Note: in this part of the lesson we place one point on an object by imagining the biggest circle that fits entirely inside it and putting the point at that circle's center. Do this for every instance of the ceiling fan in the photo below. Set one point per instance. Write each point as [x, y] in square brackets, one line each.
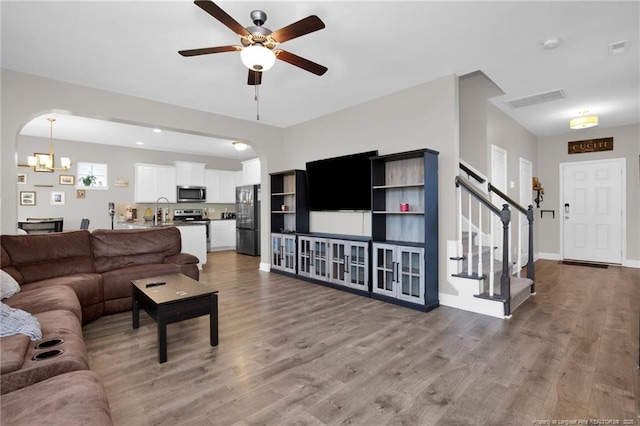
[259, 44]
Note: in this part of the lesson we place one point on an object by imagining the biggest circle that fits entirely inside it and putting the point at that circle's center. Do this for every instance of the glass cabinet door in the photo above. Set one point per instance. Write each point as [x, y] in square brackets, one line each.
[337, 262]
[384, 269]
[290, 254]
[358, 266]
[283, 252]
[320, 258]
[276, 251]
[304, 256]
[411, 274]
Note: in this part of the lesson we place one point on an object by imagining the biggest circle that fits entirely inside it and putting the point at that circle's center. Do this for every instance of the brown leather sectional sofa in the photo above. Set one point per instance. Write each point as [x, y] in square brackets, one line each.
[68, 279]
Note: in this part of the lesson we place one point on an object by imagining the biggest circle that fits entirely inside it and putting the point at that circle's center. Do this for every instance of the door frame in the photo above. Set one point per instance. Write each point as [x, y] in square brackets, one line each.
[623, 199]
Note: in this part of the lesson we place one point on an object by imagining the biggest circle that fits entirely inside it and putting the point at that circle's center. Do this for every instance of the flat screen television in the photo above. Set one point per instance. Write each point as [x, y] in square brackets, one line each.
[340, 183]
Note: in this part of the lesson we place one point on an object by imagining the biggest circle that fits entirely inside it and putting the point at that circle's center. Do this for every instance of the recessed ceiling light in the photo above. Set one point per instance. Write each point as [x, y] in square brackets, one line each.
[157, 130]
[139, 143]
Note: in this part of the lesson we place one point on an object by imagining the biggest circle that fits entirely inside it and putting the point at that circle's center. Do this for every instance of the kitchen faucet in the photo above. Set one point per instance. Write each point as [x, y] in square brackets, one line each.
[156, 215]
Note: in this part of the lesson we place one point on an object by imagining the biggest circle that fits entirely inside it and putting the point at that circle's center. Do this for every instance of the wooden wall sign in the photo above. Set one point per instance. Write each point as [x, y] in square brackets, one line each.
[591, 145]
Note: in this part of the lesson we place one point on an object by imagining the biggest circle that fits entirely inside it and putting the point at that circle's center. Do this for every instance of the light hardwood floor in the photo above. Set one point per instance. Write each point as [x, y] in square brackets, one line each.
[295, 353]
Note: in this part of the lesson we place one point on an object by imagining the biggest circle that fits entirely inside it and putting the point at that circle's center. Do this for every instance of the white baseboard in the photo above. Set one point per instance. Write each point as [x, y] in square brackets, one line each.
[549, 256]
[631, 263]
[265, 267]
[479, 306]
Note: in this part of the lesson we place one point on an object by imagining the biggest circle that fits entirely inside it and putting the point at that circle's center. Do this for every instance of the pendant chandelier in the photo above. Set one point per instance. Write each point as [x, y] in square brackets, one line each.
[45, 162]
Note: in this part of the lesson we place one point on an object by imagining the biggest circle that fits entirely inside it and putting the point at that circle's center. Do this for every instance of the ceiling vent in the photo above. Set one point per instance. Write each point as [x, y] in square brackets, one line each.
[538, 98]
[618, 48]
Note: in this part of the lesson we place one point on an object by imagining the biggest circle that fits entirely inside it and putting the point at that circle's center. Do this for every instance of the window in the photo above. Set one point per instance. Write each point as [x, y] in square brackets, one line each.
[92, 175]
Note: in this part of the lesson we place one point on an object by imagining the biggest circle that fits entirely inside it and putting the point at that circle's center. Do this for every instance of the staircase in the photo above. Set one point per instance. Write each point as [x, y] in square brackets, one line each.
[484, 283]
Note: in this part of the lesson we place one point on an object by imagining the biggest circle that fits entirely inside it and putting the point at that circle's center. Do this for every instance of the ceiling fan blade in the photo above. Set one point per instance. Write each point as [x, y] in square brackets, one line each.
[255, 78]
[304, 26]
[208, 50]
[214, 10]
[303, 63]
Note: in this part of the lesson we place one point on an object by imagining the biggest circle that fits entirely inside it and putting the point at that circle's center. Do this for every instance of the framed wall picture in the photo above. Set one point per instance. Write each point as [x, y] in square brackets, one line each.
[27, 198]
[80, 193]
[57, 198]
[44, 162]
[67, 180]
[22, 178]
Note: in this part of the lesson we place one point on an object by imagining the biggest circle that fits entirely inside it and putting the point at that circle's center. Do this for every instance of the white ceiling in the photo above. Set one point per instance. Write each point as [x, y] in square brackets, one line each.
[371, 49]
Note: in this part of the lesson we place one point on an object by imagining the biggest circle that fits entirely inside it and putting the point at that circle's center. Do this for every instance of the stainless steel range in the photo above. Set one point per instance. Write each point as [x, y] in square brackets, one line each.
[195, 216]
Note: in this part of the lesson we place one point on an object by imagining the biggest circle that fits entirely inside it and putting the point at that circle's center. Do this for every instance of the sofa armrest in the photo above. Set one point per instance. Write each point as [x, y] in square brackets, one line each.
[181, 259]
[13, 349]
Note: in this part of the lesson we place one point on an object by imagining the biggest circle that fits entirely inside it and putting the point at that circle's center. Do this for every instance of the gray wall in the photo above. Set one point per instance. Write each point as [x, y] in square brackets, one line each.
[553, 151]
[424, 116]
[475, 90]
[25, 97]
[119, 160]
[482, 124]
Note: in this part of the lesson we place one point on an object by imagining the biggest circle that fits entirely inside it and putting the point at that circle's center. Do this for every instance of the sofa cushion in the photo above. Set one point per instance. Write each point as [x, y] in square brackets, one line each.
[88, 289]
[8, 285]
[117, 283]
[123, 248]
[76, 398]
[12, 350]
[38, 257]
[55, 324]
[57, 297]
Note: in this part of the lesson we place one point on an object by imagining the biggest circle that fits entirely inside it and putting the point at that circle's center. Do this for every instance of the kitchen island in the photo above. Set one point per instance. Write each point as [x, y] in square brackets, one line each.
[193, 236]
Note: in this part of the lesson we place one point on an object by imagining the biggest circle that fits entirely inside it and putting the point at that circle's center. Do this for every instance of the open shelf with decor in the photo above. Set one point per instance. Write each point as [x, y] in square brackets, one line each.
[289, 207]
[404, 224]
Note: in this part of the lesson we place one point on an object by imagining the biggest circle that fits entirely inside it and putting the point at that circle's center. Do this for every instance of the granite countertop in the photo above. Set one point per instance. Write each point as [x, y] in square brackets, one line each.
[150, 224]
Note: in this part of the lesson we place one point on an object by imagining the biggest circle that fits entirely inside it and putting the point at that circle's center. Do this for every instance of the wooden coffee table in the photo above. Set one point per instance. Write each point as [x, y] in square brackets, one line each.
[179, 298]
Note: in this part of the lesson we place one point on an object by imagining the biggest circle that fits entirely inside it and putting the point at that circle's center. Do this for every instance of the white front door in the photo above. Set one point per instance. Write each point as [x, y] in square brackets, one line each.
[592, 210]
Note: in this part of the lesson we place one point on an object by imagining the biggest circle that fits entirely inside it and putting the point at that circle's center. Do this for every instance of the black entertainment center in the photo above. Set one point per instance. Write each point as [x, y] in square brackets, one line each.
[399, 262]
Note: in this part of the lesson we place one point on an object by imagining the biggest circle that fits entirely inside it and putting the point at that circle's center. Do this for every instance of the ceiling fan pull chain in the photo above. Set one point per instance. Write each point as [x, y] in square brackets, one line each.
[257, 99]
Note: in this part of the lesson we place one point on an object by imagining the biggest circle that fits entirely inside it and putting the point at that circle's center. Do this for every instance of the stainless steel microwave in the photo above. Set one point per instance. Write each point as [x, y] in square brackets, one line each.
[191, 194]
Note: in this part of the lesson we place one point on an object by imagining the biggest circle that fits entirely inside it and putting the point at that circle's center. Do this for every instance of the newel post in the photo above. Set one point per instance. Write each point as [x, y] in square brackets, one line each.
[531, 273]
[505, 280]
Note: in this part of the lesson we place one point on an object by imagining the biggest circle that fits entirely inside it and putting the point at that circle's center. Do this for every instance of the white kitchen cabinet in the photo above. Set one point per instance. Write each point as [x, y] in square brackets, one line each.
[221, 186]
[152, 181]
[222, 235]
[250, 172]
[228, 187]
[190, 174]
[398, 272]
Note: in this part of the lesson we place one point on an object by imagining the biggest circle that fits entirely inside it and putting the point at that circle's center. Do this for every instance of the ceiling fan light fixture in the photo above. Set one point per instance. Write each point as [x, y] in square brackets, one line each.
[240, 146]
[584, 121]
[257, 57]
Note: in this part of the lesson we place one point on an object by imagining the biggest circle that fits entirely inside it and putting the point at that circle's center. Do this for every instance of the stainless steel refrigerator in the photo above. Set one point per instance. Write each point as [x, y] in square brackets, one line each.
[248, 220]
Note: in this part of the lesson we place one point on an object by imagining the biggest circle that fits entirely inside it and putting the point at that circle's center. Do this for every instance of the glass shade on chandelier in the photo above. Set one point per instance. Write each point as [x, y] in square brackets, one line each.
[45, 162]
[257, 57]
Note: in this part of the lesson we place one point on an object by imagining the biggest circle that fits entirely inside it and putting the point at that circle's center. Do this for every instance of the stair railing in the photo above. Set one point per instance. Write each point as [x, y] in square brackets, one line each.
[528, 214]
[505, 218]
